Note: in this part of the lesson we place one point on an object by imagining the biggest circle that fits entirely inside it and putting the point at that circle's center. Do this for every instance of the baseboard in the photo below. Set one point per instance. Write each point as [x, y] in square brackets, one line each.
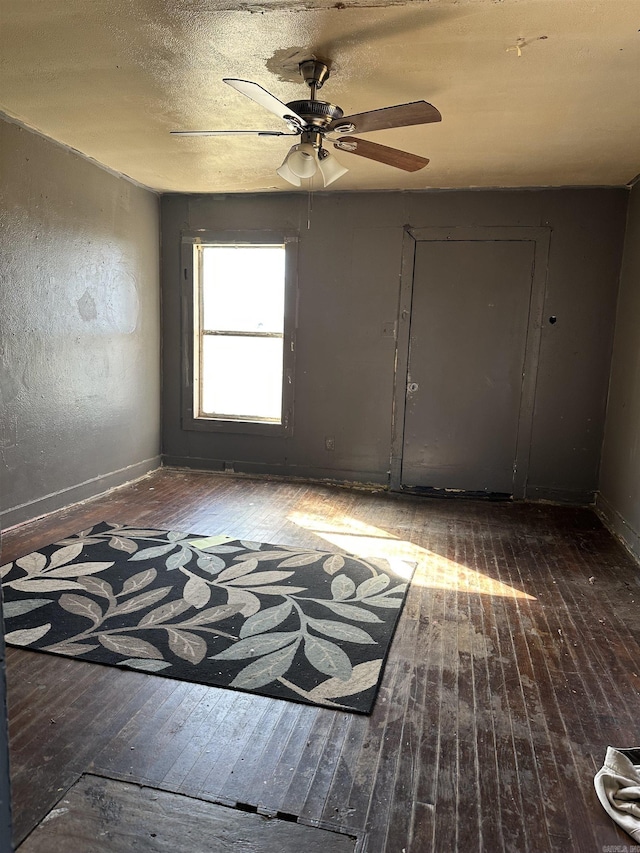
[560, 496]
[286, 472]
[74, 494]
[376, 479]
[618, 525]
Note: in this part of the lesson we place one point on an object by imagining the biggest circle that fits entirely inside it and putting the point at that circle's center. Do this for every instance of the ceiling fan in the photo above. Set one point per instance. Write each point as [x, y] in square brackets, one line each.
[318, 122]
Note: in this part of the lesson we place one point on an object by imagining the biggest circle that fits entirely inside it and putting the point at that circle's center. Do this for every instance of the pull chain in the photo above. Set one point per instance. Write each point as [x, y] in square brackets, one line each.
[309, 203]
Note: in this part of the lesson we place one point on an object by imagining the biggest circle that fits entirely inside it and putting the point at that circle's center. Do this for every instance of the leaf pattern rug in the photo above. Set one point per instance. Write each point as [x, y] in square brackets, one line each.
[295, 624]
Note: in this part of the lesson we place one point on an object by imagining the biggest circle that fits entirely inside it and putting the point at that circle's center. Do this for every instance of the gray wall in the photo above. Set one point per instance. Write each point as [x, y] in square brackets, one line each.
[349, 267]
[79, 327]
[619, 498]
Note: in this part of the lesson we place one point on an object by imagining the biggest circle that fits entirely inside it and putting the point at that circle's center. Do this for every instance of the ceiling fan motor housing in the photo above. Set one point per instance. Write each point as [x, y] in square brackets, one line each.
[316, 113]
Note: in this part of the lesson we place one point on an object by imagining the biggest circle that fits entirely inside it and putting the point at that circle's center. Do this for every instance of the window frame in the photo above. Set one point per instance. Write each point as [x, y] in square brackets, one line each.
[191, 288]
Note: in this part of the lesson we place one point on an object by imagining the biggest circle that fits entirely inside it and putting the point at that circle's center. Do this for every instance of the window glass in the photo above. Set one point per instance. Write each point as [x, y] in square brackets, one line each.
[243, 288]
[242, 377]
[240, 333]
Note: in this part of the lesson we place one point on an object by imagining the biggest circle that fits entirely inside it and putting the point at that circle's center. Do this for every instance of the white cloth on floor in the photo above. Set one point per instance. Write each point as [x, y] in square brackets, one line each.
[617, 785]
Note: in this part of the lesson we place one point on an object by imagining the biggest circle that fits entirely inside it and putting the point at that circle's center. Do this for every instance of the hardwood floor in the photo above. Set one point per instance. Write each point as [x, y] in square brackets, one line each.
[106, 816]
[515, 663]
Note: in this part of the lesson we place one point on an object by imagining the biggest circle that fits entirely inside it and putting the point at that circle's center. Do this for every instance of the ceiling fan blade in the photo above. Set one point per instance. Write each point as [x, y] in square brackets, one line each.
[381, 153]
[265, 99]
[231, 133]
[402, 115]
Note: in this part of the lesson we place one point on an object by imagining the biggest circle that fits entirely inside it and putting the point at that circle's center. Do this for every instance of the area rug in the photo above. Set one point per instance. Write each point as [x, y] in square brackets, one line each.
[295, 624]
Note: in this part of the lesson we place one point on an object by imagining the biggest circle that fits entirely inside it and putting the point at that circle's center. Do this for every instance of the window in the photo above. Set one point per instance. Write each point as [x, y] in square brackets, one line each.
[239, 321]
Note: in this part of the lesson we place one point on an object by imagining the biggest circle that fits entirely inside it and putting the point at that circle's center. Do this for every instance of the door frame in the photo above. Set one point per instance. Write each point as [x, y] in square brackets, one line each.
[541, 238]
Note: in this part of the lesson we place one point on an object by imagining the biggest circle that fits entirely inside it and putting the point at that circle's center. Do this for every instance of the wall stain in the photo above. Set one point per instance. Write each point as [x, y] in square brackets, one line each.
[87, 307]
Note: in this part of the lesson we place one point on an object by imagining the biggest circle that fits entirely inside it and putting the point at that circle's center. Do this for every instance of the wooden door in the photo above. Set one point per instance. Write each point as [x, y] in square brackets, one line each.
[467, 345]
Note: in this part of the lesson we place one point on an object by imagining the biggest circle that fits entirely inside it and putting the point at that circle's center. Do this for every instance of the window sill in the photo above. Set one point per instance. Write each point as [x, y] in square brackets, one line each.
[236, 427]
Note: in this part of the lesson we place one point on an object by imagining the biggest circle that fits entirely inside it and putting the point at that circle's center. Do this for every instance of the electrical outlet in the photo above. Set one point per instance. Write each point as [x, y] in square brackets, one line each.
[329, 443]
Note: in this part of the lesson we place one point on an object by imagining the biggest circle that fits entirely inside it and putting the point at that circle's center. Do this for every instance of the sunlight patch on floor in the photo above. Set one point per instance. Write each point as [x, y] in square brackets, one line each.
[433, 570]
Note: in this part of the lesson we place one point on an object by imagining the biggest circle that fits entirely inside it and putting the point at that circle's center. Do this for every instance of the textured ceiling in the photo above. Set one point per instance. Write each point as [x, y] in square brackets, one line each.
[532, 92]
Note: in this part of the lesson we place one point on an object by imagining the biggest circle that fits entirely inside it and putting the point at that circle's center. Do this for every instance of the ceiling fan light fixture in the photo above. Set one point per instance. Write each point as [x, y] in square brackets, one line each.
[285, 172]
[302, 160]
[330, 169]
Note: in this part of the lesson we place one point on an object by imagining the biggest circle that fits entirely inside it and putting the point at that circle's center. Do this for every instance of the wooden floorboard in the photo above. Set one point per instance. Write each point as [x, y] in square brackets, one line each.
[515, 663]
[110, 816]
